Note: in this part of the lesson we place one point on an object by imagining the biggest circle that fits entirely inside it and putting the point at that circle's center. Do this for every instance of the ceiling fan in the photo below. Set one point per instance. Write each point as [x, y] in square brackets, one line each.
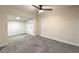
[41, 9]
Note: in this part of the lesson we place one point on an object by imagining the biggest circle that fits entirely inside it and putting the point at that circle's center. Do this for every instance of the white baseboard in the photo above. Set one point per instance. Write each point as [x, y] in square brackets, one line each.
[16, 34]
[67, 42]
[31, 34]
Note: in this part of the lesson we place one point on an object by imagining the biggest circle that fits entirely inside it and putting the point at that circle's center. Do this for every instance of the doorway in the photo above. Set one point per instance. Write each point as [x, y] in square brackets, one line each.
[20, 27]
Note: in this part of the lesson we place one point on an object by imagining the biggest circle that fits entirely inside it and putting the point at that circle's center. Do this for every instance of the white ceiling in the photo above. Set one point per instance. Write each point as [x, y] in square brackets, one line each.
[24, 8]
[14, 18]
[31, 9]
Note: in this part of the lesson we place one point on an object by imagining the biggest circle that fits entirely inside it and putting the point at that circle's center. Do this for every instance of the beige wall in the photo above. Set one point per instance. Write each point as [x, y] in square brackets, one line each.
[61, 24]
[3, 28]
[36, 21]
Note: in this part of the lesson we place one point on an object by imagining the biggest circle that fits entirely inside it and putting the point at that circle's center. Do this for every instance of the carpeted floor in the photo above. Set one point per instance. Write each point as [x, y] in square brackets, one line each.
[37, 44]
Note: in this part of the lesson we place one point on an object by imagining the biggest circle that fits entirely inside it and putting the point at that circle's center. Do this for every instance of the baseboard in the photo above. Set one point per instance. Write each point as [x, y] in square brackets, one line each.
[31, 34]
[4, 44]
[70, 43]
[16, 34]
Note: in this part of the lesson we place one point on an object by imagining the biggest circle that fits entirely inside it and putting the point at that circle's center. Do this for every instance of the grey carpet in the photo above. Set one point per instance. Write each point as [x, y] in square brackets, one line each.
[37, 44]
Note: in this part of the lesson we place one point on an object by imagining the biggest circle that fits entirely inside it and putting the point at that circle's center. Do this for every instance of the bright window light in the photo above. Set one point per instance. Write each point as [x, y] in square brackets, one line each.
[17, 17]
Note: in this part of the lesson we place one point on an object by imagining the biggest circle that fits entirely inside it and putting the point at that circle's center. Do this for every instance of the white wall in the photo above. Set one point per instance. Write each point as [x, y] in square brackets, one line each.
[30, 27]
[61, 24]
[16, 27]
[19, 27]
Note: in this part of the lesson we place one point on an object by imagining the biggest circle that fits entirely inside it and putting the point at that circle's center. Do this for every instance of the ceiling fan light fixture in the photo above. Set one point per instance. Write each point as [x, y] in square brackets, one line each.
[17, 18]
[41, 11]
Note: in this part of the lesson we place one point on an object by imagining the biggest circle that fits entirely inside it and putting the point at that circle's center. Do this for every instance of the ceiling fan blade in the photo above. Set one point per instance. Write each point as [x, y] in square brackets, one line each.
[35, 6]
[48, 9]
